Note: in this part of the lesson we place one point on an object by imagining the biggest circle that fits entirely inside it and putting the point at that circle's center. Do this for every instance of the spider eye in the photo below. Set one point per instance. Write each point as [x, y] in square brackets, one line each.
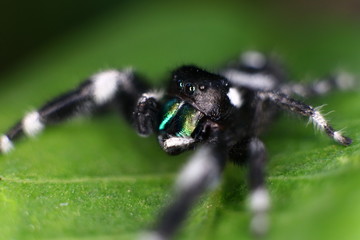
[180, 84]
[202, 87]
[189, 88]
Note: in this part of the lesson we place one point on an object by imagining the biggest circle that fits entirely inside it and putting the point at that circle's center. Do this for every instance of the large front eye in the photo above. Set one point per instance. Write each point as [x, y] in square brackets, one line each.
[189, 89]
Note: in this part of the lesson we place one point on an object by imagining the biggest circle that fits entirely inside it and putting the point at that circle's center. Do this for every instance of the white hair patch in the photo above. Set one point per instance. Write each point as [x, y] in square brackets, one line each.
[254, 81]
[177, 141]
[151, 236]
[5, 144]
[260, 224]
[235, 97]
[345, 80]
[156, 94]
[299, 89]
[254, 59]
[105, 84]
[202, 166]
[318, 120]
[259, 200]
[322, 87]
[339, 137]
[32, 124]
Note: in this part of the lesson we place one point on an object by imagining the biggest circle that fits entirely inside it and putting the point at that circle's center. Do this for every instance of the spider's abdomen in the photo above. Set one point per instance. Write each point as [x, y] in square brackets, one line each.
[179, 118]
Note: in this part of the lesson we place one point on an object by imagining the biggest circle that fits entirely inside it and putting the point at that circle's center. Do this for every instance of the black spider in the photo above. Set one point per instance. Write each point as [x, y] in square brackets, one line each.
[220, 115]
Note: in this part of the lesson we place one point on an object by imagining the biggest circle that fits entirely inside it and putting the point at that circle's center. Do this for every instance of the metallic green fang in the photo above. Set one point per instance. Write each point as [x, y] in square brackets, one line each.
[171, 112]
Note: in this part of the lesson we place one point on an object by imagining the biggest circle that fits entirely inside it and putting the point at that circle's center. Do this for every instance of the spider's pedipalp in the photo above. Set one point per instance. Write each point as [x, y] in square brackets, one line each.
[145, 116]
[157, 94]
[177, 142]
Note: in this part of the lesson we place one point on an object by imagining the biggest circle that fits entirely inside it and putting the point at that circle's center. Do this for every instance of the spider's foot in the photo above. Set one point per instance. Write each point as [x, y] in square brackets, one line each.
[338, 137]
[259, 204]
[151, 235]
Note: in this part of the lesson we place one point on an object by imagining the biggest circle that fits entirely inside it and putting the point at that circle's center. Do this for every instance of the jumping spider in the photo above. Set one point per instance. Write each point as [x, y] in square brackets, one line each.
[221, 116]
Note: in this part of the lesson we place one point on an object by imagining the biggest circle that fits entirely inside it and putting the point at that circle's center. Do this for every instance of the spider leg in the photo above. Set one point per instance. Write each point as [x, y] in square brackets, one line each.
[111, 86]
[201, 173]
[253, 152]
[292, 105]
[341, 81]
[256, 71]
[259, 200]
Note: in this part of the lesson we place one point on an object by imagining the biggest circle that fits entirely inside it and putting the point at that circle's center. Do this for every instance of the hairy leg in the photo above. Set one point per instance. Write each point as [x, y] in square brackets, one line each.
[301, 108]
[200, 174]
[101, 89]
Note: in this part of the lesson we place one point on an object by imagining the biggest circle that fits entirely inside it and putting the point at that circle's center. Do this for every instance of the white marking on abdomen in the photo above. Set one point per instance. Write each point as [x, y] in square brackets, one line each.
[32, 124]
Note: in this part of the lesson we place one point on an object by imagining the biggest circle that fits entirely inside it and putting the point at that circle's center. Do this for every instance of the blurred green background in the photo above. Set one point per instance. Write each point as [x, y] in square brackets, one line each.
[94, 178]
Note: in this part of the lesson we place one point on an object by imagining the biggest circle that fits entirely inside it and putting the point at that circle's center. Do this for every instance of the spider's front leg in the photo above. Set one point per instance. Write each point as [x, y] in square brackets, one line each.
[112, 86]
[201, 173]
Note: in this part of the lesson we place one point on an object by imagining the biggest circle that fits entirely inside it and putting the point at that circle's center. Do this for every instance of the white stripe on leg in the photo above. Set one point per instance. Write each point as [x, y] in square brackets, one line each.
[259, 204]
[202, 166]
[32, 124]
[5, 144]
[106, 83]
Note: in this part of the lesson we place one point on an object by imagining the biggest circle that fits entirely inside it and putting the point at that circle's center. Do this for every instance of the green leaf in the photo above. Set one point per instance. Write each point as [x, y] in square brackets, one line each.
[94, 178]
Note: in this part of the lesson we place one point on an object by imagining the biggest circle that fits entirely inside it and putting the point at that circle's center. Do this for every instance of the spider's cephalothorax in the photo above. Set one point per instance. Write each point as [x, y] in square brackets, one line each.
[196, 104]
[220, 115]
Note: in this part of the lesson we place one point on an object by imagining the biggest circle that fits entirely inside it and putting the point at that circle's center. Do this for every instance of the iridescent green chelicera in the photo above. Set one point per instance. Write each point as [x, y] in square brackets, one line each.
[189, 118]
[171, 108]
[180, 117]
